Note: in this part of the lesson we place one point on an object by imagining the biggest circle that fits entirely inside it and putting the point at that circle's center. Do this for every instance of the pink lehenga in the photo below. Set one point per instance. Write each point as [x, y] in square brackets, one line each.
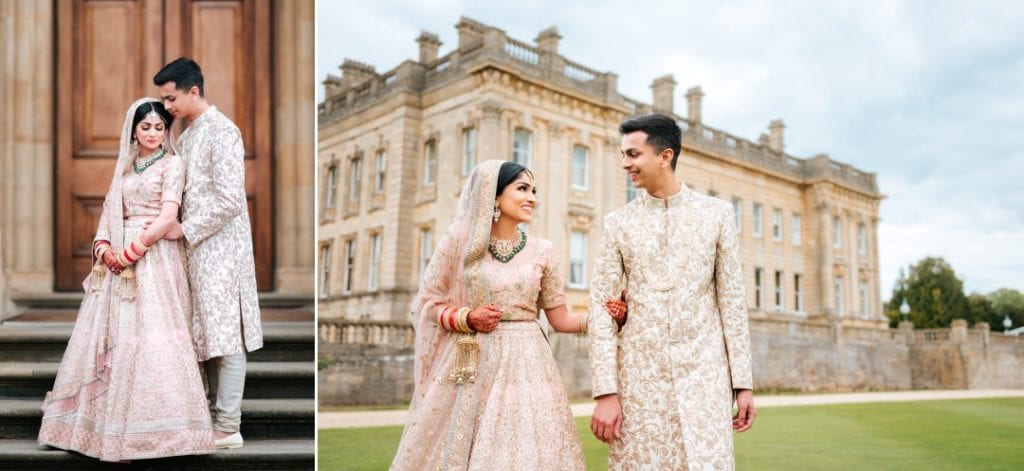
[515, 414]
[129, 385]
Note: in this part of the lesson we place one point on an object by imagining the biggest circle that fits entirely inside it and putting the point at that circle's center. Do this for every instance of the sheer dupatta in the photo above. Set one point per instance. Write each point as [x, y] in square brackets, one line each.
[101, 304]
[452, 407]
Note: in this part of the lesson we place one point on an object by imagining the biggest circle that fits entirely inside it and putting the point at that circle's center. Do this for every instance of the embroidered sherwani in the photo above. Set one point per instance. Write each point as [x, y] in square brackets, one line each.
[686, 344]
[215, 220]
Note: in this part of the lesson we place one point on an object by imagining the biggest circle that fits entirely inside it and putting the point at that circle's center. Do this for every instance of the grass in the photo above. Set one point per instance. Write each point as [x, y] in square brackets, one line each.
[934, 435]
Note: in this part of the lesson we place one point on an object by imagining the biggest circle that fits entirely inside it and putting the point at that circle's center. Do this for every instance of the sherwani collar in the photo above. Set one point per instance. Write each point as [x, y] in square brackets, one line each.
[675, 201]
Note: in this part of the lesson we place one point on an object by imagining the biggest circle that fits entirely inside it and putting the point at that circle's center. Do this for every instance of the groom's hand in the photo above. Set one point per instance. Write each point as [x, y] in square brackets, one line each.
[745, 414]
[607, 420]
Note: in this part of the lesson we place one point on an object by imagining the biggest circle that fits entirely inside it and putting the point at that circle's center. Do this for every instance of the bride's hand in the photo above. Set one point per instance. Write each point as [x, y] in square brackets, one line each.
[484, 318]
[111, 262]
[618, 309]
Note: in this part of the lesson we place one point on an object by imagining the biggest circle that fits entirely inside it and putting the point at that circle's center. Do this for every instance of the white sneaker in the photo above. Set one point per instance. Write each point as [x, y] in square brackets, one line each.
[231, 441]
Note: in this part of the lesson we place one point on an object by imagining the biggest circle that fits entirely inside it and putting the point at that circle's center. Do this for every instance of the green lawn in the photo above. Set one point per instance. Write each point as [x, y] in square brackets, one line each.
[934, 435]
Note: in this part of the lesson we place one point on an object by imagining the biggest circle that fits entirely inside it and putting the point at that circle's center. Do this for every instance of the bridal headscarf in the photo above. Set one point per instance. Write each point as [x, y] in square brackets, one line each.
[461, 249]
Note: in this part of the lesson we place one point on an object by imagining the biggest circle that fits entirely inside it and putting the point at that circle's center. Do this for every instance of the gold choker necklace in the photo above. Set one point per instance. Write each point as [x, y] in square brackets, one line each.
[503, 250]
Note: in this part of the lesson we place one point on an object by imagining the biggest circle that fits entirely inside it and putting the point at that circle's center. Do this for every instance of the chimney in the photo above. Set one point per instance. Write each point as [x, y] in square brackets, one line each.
[429, 45]
[470, 31]
[547, 40]
[775, 140]
[694, 97]
[664, 89]
[332, 85]
[354, 73]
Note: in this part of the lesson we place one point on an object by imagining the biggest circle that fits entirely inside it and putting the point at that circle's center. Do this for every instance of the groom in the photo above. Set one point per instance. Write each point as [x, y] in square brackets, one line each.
[218, 240]
[665, 384]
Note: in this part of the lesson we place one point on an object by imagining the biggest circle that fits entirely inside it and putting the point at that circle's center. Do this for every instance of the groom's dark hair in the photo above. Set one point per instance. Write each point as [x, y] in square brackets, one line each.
[662, 133]
[184, 72]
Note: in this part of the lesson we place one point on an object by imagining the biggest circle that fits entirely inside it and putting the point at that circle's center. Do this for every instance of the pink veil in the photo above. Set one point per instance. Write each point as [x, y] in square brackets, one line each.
[453, 407]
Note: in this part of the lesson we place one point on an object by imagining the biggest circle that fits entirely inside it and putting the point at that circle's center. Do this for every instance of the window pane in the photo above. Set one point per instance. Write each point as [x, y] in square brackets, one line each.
[579, 167]
[430, 163]
[737, 209]
[521, 147]
[796, 229]
[468, 150]
[757, 220]
[378, 184]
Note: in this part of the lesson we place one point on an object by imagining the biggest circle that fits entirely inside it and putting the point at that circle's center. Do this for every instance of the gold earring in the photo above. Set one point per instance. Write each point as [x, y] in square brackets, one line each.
[497, 212]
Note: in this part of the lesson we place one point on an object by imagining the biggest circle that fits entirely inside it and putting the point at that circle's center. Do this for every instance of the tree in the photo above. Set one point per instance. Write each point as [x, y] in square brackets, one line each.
[1005, 302]
[933, 292]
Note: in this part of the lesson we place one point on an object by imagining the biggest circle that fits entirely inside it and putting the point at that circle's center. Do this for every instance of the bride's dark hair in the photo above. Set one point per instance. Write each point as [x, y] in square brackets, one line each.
[508, 172]
[150, 107]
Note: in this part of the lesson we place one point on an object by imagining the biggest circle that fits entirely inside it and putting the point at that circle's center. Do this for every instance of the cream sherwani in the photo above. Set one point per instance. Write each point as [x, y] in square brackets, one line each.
[686, 344]
[215, 220]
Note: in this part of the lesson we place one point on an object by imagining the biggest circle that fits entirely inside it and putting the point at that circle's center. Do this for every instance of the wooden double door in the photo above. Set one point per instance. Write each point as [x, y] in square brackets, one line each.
[107, 54]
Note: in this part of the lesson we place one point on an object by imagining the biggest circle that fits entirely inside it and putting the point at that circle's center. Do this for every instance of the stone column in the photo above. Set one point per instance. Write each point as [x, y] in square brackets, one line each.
[825, 274]
[26, 151]
[294, 147]
[556, 178]
[489, 139]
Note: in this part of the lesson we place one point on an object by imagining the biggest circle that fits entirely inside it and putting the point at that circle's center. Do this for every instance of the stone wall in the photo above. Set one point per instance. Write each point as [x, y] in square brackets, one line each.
[364, 374]
[370, 363]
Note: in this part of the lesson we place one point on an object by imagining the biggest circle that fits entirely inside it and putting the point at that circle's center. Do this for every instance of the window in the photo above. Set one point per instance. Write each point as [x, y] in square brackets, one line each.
[777, 224]
[758, 228]
[778, 291]
[356, 170]
[758, 288]
[798, 293]
[864, 303]
[332, 186]
[371, 283]
[630, 189]
[426, 248]
[325, 269]
[430, 163]
[382, 166]
[839, 295]
[577, 259]
[862, 239]
[579, 167]
[795, 229]
[350, 265]
[837, 232]
[737, 211]
[521, 147]
[468, 150]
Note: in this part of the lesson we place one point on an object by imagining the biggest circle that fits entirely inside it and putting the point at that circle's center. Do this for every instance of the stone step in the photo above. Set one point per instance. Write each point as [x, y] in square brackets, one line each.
[262, 419]
[271, 303]
[38, 342]
[263, 380]
[27, 454]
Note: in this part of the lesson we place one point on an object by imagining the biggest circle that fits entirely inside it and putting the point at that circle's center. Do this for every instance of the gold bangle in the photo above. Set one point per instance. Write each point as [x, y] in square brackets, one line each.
[584, 322]
[101, 247]
[462, 320]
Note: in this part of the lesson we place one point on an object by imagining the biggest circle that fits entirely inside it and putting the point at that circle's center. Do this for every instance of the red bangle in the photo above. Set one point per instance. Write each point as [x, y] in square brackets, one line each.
[451, 320]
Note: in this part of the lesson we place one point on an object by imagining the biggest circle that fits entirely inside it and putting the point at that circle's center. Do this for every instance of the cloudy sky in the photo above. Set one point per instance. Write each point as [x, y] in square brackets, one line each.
[929, 95]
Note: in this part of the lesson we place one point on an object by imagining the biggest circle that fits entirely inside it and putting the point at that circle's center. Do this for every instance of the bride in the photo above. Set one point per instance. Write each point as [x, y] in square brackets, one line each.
[129, 385]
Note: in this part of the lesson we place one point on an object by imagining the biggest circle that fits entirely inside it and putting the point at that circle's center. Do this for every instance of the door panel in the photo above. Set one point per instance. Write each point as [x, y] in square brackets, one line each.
[111, 50]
